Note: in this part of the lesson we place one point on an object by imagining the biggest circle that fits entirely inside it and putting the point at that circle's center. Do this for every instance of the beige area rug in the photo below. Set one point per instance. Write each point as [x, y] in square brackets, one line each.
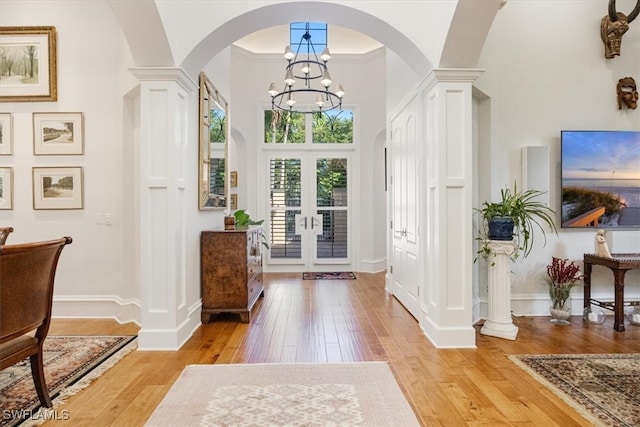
[280, 394]
[603, 388]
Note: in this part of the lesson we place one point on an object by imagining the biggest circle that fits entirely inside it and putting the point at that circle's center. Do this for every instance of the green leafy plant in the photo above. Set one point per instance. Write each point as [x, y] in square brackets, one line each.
[527, 213]
[244, 219]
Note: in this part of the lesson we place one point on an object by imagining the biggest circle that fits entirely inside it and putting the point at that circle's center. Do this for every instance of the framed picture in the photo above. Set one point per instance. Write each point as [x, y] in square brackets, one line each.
[32, 51]
[6, 134]
[57, 188]
[6, 188]
[234, 201]
[58, 133]
[233, 178]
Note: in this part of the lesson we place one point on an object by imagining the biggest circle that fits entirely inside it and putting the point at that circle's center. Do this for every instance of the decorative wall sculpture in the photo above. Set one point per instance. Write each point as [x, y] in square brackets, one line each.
[613, 26]
[627, 93]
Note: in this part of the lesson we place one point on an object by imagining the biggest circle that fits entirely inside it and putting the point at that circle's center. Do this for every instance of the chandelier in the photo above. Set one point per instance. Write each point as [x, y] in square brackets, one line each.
[308, 69]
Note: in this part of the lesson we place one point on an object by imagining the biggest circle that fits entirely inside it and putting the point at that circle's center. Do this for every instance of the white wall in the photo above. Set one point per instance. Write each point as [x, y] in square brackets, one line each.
[546, 71]
[91, 79]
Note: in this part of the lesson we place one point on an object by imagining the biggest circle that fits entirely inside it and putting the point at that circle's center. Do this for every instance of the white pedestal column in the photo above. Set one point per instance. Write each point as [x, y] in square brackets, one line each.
[498, 322]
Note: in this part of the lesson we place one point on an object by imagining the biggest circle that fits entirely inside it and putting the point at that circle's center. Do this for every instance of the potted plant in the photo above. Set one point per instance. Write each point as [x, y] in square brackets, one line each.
[562, 275]
[515, 216]
[243, 220]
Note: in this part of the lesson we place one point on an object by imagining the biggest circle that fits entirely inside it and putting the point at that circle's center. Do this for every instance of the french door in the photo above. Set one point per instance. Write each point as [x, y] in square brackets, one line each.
[309, 215]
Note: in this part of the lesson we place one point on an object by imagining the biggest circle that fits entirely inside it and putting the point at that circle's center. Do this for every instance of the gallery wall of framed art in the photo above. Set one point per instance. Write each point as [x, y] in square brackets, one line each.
[33, 77]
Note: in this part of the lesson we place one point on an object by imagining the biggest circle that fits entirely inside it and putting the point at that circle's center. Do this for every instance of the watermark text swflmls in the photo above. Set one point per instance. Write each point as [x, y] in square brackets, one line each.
[39, 415]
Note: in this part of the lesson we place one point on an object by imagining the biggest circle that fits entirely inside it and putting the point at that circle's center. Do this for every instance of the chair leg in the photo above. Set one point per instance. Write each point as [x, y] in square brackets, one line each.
[37, 372]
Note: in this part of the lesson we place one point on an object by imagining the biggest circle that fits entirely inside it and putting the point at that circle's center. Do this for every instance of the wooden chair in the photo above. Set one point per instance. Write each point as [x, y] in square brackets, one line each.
[26, 294]
[4, 233]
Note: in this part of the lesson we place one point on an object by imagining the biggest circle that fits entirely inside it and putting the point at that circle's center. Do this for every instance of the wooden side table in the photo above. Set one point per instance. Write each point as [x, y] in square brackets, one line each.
[619, 264]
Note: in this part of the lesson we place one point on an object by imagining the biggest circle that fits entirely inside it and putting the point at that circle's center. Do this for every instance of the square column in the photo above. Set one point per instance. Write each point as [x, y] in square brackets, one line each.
[164, 99]
[446, 207]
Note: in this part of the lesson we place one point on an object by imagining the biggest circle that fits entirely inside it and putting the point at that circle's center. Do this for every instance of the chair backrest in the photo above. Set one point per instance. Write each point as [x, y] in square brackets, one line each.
[4, 233]
[27, 274]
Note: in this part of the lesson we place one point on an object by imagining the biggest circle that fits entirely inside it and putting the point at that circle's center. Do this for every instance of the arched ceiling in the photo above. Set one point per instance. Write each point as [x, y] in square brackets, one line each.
[466, 31]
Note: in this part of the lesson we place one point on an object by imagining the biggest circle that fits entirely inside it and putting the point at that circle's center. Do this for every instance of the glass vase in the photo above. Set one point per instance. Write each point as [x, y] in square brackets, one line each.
[560, 313]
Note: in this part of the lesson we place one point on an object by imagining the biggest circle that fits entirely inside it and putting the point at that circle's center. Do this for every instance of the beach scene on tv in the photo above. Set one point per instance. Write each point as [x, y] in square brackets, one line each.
[601, 179]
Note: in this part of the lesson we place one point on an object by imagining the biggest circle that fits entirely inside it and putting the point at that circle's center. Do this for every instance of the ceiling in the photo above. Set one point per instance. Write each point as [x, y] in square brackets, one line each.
[341, 40]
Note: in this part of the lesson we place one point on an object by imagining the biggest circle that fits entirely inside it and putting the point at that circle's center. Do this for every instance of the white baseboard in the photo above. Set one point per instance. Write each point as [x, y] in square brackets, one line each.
[538, 305]
[97, 307]
[448, 337]
[171, 339]
[373, 265]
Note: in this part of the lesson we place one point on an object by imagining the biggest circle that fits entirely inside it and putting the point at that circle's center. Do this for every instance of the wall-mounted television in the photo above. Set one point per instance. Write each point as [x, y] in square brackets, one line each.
[600, 179]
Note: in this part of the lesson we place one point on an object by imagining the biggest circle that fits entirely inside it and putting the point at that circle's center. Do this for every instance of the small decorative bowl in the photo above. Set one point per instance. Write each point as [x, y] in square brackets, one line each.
[594, 316]
[633, 316]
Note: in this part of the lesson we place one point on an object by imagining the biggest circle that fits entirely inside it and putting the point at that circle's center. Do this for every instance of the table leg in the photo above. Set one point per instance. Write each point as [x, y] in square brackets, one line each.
[618, 275]
[587, 284]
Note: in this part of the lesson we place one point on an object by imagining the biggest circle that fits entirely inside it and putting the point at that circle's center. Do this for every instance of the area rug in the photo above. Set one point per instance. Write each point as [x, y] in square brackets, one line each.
[281, 394]
[70, 364]
[338, 275]
[604, 388]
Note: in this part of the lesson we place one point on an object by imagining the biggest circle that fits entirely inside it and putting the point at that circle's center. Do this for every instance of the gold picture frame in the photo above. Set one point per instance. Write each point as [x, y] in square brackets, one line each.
[6, 188]
[233, 202]
[57, 187]
[36, 80]
[58, 134]
[233, 178]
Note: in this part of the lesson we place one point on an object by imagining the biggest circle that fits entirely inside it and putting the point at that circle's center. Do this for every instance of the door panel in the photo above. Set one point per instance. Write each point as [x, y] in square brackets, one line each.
[404, 187]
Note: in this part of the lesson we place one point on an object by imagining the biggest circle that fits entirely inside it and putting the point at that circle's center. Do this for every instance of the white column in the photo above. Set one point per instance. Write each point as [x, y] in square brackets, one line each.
[499, 322]
[164, 130]
[446, 208]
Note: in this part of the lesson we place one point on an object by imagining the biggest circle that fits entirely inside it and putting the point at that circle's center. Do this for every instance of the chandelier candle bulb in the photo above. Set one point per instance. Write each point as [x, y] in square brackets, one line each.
[288, 53]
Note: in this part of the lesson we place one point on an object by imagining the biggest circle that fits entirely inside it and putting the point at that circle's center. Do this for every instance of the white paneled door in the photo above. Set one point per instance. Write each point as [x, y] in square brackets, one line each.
[404, 211]
[309, 212]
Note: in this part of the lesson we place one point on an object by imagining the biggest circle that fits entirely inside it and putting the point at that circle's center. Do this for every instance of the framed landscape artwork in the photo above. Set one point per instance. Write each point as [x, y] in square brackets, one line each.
[6, 188]
[58, 133]
[57, 188]
[28, 64]
[6, 134]
[600, 179]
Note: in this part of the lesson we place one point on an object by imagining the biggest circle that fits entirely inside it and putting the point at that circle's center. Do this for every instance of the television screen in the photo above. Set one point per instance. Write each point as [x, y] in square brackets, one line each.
[600, 179]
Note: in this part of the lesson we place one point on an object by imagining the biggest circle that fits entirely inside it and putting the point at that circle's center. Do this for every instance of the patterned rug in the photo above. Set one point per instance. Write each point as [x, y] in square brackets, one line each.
[70, 364]
[343, 275]
[285, 394]
[604, 388]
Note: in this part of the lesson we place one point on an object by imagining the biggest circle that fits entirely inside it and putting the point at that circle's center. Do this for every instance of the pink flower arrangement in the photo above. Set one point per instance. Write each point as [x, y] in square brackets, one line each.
[562, 275]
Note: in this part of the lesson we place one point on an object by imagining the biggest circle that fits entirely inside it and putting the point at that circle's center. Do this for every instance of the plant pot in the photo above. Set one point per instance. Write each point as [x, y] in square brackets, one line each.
[229, 222]
[501, 228]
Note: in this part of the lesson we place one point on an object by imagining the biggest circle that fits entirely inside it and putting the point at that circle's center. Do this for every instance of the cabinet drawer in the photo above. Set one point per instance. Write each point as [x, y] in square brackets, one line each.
[254, 288]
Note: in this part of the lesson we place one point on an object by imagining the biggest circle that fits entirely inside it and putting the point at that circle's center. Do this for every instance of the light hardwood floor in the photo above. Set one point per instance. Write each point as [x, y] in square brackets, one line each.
[345, 321]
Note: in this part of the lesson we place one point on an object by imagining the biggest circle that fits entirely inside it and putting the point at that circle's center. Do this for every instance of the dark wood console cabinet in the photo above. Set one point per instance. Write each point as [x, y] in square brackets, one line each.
[230, 272]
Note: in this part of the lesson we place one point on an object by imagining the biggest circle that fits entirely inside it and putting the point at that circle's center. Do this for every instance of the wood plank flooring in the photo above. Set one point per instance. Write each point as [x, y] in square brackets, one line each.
[345, 321]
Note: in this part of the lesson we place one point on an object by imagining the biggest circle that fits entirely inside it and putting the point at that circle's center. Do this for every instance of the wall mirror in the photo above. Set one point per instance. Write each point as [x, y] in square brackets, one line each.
[213, 146]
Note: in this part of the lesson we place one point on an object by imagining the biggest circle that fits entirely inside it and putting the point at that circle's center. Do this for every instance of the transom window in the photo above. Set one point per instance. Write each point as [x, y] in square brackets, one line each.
[317, 30]
[327, 127]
